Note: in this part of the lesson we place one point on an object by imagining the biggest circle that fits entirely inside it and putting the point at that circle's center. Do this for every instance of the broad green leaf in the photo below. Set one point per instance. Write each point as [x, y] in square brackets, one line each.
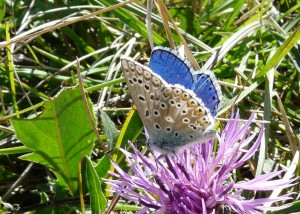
[59, 137]
[98, 201]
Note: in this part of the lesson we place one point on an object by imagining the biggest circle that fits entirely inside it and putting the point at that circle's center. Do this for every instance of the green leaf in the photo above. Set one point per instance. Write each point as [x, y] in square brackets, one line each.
[131, 129]
[14, 150]
[236, 8]
[282, 51]
[2, 9]
[59, 137]
[109, 129]
[103, 166]
[132, 21]
[78, 40]
[98, 201]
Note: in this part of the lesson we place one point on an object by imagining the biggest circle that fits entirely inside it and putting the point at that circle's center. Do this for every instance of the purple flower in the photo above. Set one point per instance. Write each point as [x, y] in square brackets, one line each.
[199, 180]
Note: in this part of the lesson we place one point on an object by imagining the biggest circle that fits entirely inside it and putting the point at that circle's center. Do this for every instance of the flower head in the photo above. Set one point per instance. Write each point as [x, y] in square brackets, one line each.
[198, 180]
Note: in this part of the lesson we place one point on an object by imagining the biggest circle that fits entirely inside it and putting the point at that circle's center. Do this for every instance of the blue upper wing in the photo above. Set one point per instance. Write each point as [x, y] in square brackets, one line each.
[175, 70]
[208, 90]
[171, 67]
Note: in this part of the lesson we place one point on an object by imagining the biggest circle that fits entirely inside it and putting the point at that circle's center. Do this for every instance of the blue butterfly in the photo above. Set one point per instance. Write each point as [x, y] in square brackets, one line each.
[177, 105]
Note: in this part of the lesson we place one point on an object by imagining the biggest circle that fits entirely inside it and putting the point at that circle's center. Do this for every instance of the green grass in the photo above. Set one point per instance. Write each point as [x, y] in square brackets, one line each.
[252, 48]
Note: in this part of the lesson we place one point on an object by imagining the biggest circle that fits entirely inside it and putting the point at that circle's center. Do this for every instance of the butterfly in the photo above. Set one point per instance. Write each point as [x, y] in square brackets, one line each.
[177, 104]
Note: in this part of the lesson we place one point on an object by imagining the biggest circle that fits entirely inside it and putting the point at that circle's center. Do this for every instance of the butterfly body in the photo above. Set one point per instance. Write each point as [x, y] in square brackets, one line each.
[173, 115]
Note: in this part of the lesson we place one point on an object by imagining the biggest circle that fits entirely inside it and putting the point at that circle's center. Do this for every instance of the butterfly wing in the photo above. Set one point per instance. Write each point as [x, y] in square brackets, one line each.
[176, 70]
[172, 115]
[171, 67]
[207, 88]
[143, 87]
